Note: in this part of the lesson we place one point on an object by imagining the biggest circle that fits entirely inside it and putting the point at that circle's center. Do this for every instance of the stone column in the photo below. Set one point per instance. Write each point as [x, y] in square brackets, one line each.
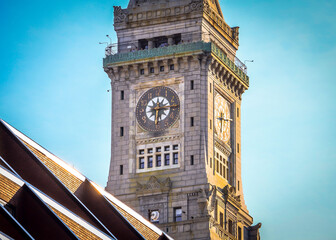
[170, 41]
[150, 44]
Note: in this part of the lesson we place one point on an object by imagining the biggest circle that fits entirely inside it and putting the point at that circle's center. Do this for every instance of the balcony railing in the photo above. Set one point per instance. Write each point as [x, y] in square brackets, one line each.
[157, 52]
[238, 69]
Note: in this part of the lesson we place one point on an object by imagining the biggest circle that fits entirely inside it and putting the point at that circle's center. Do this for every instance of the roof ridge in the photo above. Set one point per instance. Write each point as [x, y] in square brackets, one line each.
[47, 153]
[67, 212]
[129, 210]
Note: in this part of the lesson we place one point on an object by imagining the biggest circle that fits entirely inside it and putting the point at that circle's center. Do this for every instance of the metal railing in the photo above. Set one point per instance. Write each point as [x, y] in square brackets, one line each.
[241, 65]
[157, 52]
[237, 66]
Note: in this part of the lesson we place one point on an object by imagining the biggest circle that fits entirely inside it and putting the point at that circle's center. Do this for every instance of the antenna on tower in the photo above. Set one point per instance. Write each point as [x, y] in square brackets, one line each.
[108, 49]
[108, 36]
[248, 61]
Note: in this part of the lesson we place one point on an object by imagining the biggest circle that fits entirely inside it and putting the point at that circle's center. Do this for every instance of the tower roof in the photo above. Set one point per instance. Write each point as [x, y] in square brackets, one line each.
[214, 4]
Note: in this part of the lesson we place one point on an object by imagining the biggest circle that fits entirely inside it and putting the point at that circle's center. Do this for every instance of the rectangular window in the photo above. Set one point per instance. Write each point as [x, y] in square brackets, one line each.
[221, 219]
[238, 185]
[230, 226]
[172, 67]
[151, 70]
[217, 167]
[158, 149]
[167, 148]
[121, 169]
[175, 158]
[142, 71]
[239, 233]
[237, 112]
[210, 87]
[161, 68]
[221, 169]
[210, 124]
[141, 162]
[121, 131]
[122, 97]
[149, 161]
[175, 147]
[192, 85]
[150, 150]
[237, 147]
[141, 151]
[167, 159]
[158, 160]
[210, 163]
[177, 214]
[191, 121]
[192, 160]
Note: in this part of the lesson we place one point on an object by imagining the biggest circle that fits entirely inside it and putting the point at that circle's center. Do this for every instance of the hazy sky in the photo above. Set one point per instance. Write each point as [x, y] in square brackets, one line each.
[53, 89]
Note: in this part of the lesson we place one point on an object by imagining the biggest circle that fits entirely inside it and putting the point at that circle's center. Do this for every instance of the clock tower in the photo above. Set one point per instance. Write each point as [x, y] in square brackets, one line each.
[176, 106]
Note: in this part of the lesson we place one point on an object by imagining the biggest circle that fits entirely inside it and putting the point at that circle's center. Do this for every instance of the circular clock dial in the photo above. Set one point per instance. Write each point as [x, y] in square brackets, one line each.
[158, 109]
[222, 116]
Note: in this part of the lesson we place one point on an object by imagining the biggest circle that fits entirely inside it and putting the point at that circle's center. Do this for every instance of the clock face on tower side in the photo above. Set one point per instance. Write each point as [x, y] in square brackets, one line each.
[223, 120]
[158, 109]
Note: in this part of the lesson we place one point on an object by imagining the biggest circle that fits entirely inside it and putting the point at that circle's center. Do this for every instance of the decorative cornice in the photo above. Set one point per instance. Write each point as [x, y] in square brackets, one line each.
[132, 15]
[120, 14]
[221, 56]
[182, 50]
[197, 6]
[154, 185]
[223, 147]
[158, 139]
[156, 52]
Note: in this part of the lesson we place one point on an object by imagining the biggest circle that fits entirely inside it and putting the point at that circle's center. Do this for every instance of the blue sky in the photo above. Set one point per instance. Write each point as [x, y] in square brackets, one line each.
[53, 89]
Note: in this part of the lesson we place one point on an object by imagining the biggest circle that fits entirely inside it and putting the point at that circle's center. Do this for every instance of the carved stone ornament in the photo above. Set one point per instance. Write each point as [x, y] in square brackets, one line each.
[202, 202]
[119, 14]
[196, 5]
[206, 6]
[229, 193]
[154, 185]
[212, 198]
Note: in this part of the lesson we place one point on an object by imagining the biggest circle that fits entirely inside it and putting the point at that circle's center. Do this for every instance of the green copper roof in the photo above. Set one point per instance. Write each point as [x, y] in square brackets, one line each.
[177, 50]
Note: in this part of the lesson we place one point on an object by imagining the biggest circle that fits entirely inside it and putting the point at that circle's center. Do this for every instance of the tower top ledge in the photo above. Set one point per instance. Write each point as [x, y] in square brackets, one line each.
[144, 12]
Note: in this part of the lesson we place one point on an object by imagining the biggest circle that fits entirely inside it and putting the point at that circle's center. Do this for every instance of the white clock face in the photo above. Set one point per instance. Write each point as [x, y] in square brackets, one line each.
[157, 101]
[222, 118]
[158, 109]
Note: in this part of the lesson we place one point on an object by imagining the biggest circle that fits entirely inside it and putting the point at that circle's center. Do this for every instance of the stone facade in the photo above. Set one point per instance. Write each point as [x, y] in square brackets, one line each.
[187, 47]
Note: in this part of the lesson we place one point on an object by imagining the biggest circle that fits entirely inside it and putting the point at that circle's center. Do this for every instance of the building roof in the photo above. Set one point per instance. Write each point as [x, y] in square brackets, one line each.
[39, 189]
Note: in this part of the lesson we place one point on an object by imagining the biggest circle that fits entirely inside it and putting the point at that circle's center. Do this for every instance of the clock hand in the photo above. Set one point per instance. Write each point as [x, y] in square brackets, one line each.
[225, 119]
[156, 116]
[221, 118]
[168, 106]
[157, 108]
[156, 112]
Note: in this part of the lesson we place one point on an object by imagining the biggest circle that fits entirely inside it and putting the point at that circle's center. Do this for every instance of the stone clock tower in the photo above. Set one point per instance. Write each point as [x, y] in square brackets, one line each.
[176, 141]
